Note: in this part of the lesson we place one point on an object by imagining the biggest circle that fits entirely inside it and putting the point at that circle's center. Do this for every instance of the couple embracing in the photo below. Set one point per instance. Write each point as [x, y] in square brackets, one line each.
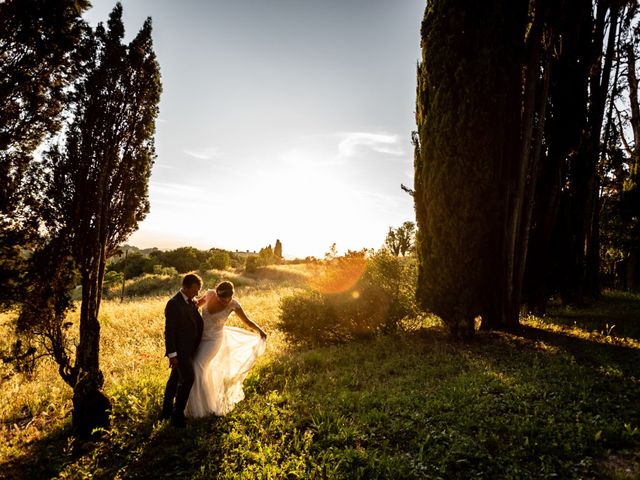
[208, 361]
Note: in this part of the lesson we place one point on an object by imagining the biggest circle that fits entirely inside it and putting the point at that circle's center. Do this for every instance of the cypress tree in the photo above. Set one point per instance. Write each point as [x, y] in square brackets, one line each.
[482, 88]
[97, 195]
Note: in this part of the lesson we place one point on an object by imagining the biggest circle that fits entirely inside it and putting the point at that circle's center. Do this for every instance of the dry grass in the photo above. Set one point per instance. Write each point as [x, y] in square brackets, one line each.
[132, 346]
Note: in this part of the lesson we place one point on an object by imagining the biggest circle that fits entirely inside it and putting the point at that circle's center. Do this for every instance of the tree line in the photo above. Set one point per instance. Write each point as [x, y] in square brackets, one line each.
[132, 262]
[526, 156]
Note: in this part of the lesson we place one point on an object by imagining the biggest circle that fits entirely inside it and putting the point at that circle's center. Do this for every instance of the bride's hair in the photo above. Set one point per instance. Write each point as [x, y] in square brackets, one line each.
[224, 289]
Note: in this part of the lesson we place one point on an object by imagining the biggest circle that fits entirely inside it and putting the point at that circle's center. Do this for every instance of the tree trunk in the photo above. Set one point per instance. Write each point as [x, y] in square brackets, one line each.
[631, 274]
[90, 406]
[565, 120]
[584, 271]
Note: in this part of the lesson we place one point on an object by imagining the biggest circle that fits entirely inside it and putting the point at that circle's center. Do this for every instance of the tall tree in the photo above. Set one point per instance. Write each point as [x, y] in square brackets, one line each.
[630, 195]
[401, 240]
[41, 52]
[584, 187]
[565, 240]
[566, 114]
[482, 89]
[277, 251]
[97, 193]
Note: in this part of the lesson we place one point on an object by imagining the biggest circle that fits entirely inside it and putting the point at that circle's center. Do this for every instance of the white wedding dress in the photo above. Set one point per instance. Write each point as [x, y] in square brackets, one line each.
[221, 363]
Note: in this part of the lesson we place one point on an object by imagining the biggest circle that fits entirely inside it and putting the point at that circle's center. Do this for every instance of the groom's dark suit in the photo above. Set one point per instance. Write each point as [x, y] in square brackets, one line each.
[182, 335]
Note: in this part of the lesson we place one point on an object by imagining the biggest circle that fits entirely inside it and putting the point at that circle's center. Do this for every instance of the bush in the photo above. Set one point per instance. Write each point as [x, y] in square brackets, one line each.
[112, 278]
[153, 285]
[133, 265]
[161, 270]
[251, 264]
[219, 260]
[375, 303]
[183, 259]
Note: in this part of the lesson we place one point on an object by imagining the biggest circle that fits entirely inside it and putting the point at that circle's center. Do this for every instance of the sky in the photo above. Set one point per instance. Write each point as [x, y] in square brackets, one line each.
[279, 119]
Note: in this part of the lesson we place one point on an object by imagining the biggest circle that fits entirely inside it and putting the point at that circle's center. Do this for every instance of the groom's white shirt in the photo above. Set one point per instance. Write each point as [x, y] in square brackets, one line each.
[186, 299]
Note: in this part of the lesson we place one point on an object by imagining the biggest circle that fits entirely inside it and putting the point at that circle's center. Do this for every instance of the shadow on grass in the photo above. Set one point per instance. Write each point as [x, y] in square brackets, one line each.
[132, 449]
[44, 458]
[605, 356]
[615, 313]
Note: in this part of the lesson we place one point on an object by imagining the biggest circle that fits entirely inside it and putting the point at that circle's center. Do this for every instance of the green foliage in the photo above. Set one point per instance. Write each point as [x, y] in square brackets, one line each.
[183, 259]
[164, 281]
[42, 55]
[133, 265]
[113, 278]
[146, 285]
[467, 112]
[401, 240]
[372, 304]
[251, 264]
[43, 51]
[160, 270]
[220, 260]
[95, 186]
[266, 257]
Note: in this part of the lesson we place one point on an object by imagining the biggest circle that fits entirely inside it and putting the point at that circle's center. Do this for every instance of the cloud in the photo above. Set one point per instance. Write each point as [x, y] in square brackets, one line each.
[186, 198]
[354, 142]
[203, 154]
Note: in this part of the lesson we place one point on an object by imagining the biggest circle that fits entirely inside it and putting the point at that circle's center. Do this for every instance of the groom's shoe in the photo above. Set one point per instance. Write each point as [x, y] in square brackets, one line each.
[178, 420]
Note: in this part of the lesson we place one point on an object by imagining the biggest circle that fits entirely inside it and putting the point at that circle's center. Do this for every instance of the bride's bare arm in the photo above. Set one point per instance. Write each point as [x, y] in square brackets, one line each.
[249, 323]
[203, 299]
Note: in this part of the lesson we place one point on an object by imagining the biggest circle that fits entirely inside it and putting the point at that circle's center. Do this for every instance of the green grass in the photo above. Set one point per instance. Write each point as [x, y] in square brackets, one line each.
[557, 400]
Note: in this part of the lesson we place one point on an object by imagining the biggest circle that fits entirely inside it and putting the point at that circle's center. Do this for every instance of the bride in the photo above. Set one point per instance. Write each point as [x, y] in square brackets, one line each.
[224, 356]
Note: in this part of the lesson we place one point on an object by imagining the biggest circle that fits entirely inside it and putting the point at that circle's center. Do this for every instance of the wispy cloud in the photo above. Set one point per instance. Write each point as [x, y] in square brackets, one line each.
[178, 195]
[203, 154]
[354, 142]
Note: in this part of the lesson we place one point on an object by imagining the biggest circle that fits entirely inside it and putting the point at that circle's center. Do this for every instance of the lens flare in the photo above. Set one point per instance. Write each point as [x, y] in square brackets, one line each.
[341, 275]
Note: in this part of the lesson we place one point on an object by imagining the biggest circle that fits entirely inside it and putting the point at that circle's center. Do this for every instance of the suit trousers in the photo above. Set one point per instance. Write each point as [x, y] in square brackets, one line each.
[178, 387]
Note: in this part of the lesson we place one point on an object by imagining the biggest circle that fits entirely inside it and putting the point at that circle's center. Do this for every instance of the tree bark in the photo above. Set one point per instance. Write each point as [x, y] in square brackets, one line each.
[584, 269]
[90, 406]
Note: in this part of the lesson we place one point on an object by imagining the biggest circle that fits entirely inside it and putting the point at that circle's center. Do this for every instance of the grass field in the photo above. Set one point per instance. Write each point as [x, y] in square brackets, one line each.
[559, 400]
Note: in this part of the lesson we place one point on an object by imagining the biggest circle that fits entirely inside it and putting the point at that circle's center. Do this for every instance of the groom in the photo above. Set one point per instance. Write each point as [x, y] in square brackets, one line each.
[182, 334]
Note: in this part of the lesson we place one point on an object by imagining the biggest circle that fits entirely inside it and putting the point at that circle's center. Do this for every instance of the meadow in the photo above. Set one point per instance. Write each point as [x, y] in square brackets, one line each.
[560, 399]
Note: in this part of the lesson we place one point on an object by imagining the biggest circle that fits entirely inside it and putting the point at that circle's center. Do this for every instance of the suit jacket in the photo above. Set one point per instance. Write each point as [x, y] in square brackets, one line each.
[182, 328]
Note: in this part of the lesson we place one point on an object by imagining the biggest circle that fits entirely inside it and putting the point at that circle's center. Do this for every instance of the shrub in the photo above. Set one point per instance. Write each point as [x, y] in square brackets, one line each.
[376, 303]
[220, 260]
[153, 285]
[251, 264]
[161, 270]
[112, 278]
[132, 265]
[183, 259]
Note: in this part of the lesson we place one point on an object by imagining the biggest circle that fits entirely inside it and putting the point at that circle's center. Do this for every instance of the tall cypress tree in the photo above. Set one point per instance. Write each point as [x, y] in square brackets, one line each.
[482, 88]
[97, 194]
